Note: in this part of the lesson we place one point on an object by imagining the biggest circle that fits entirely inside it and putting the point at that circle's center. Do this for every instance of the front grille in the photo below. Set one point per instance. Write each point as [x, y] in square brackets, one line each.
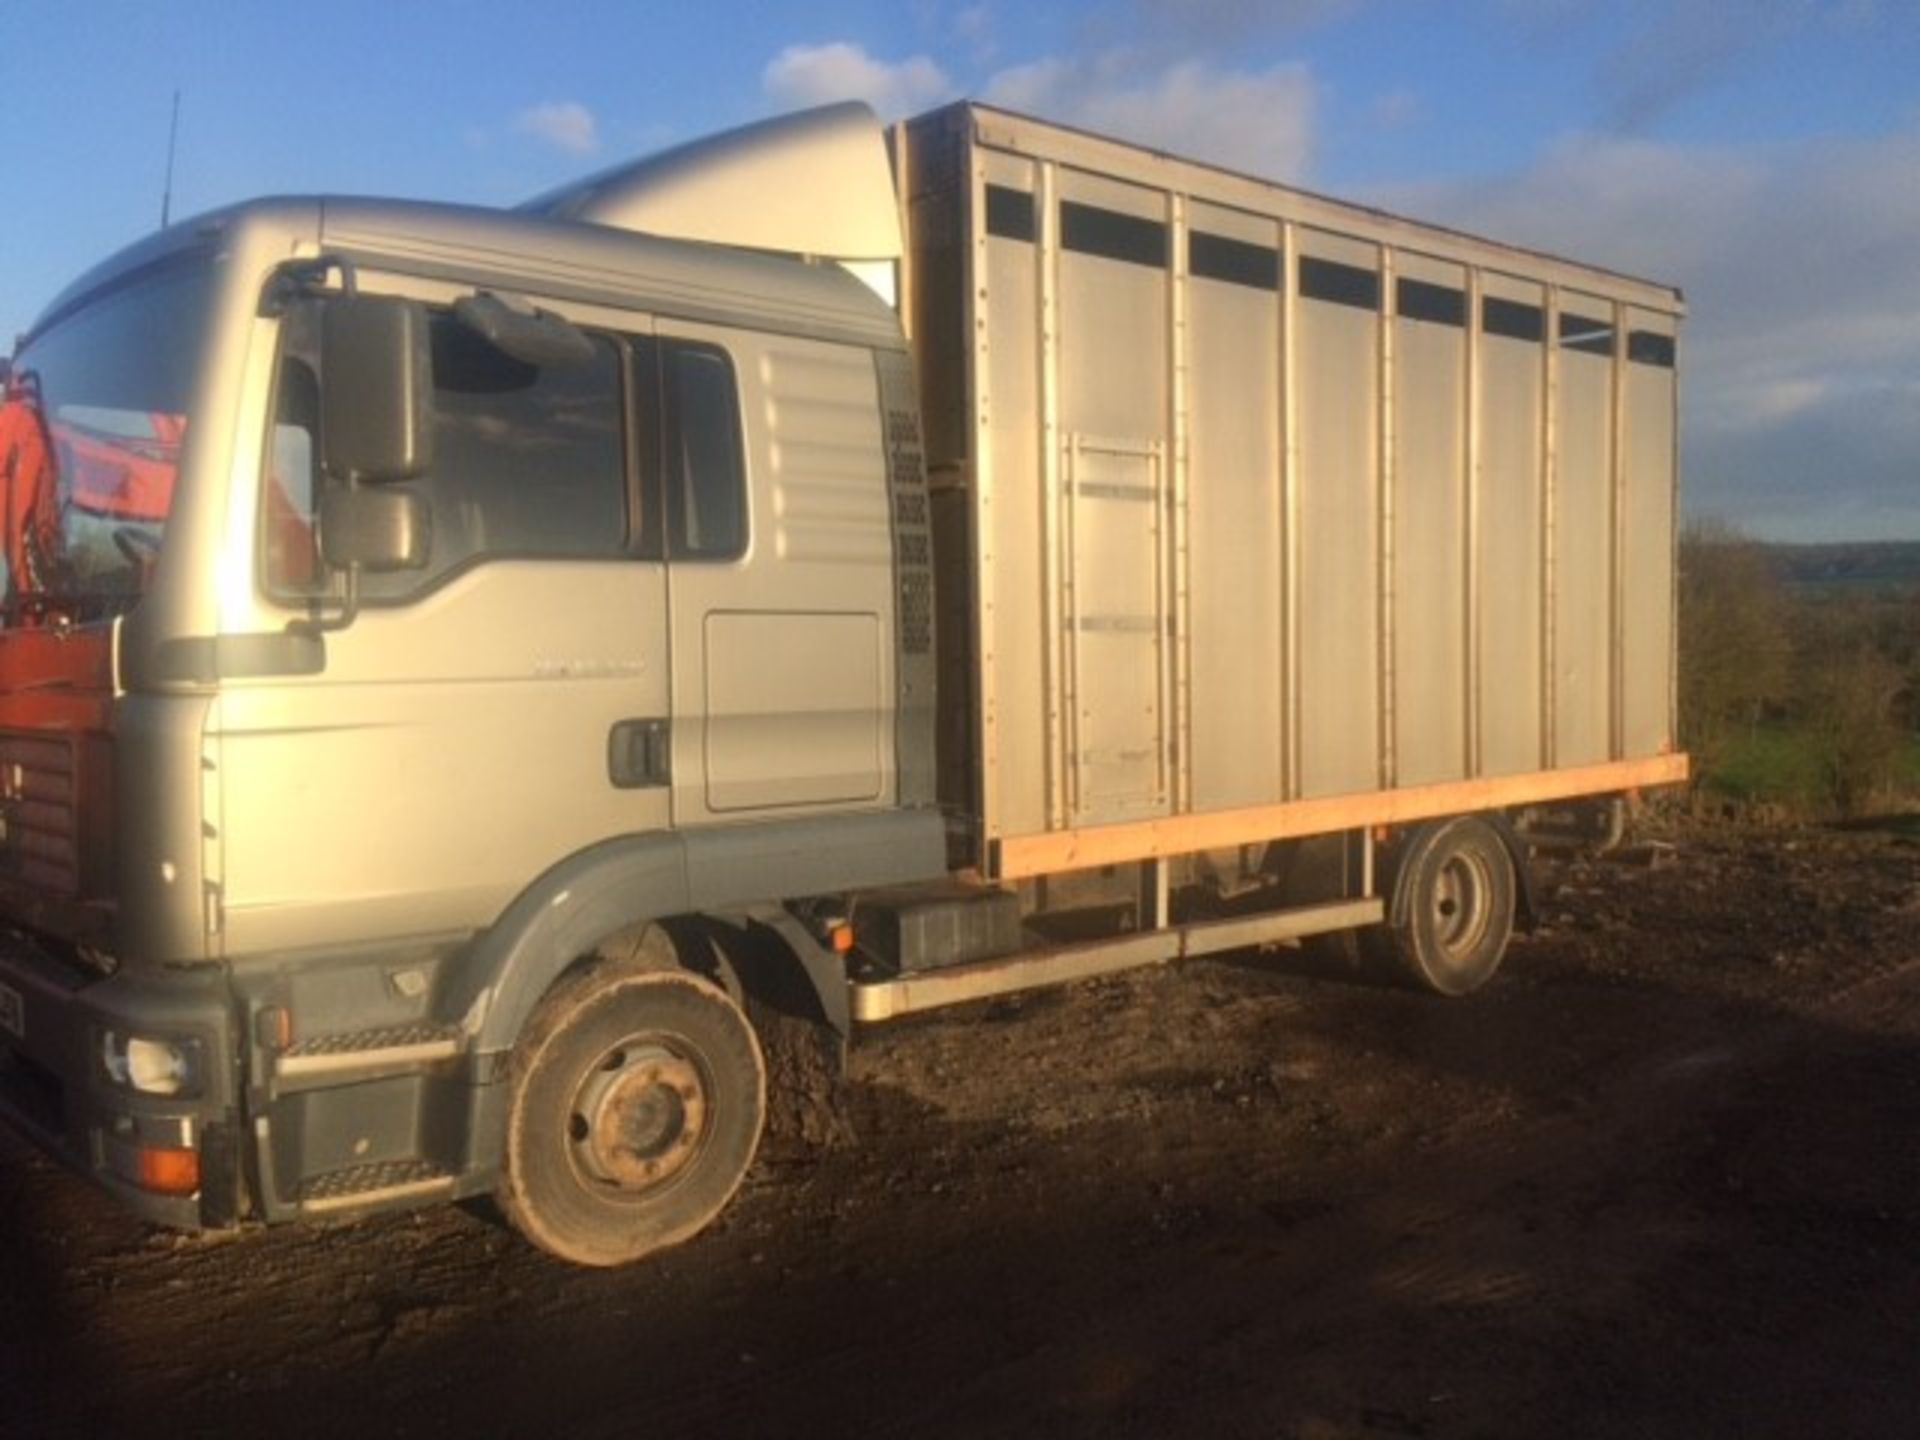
[40, 811]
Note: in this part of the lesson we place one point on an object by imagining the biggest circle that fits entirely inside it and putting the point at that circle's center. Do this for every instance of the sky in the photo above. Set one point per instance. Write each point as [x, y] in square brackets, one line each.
[1764, 155]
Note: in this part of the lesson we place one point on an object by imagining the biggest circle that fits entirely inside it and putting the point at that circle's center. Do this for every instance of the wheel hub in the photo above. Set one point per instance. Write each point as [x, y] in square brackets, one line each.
[639, 1117]
[1460, 903]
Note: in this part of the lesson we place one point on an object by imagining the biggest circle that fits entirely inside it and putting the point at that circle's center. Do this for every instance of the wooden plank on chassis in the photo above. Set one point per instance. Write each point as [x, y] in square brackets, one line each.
[1028, 855]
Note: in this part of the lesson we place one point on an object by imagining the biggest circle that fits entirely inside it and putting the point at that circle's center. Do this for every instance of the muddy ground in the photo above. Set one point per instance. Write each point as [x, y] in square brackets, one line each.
[1662, 1178]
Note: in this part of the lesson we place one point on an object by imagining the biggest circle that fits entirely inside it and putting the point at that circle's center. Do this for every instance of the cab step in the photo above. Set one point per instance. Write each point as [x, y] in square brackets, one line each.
[362, 1052]
[386, 1182]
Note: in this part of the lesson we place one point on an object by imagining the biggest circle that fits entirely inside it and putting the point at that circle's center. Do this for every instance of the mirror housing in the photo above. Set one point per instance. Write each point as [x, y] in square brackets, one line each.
[373, 530]
[524, 332]
[376, 412]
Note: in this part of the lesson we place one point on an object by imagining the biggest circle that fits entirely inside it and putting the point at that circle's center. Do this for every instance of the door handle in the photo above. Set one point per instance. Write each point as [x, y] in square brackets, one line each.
[640, 754]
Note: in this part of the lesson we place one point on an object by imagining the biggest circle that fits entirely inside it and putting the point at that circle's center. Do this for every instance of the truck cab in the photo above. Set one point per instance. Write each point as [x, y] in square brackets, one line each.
[403, 600]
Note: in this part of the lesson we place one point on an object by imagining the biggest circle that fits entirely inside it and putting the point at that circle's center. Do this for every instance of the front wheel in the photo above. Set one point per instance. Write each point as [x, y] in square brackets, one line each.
[637, 1101]
[1456, 901]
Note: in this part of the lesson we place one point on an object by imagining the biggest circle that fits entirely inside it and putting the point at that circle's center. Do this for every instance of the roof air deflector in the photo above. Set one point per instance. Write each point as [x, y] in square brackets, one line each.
[813, 183]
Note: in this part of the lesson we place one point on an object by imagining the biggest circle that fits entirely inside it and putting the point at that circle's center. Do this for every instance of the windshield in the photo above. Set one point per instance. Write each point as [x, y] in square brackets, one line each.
[91, 425]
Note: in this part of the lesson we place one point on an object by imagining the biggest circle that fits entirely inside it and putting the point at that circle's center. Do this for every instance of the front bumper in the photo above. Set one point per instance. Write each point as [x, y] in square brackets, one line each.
[54, 1088]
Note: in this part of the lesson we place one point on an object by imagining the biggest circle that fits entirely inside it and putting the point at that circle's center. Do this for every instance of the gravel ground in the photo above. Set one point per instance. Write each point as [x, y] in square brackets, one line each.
[1661, 1178]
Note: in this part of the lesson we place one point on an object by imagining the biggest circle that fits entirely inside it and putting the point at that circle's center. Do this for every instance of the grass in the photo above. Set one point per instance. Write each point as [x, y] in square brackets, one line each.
[1771, 763]
[1781, 764]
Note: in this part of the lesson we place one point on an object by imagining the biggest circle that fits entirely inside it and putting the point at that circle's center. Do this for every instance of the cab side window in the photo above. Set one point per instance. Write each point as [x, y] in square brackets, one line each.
[291, 495]
[529, 462]
[293, 478]
[703, 462]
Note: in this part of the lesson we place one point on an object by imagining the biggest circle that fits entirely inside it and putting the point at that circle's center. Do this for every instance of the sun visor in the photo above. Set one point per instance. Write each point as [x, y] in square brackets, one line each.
[813, 183]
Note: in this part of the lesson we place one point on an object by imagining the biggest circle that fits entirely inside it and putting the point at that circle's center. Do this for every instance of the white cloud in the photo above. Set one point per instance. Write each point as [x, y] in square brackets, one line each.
[1259, 121]
[1801, 265]
[566, 124]
[803, 75]
[973, 27]
[1773, 401]
[1653, 209]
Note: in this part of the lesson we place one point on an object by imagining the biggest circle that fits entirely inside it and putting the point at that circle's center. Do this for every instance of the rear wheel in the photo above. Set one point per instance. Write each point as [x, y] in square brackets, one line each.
[637, 1100]
[1456, 888]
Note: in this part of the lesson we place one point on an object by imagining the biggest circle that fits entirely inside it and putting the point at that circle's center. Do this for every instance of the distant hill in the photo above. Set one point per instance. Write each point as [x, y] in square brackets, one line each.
[1868, 563]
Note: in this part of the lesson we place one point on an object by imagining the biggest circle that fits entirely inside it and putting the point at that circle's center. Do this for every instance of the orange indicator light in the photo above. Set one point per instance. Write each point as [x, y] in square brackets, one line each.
[168, 1172]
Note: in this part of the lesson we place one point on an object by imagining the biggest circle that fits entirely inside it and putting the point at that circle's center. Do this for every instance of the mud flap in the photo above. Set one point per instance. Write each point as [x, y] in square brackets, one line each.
[799, 1004]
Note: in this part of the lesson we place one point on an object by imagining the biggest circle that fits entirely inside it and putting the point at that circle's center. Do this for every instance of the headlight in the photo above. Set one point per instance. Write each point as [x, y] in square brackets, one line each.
[151, 1065]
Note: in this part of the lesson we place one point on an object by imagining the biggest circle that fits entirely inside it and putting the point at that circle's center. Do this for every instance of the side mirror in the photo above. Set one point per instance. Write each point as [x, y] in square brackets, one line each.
[373, 530]
[376, 415]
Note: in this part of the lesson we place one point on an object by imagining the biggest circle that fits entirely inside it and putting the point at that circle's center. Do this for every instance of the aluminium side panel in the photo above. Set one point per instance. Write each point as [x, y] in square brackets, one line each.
[1337, 396]
[1430, 523]
[1234, 509]
[1510, 515]
[1273, 499]
[1114, 520]
[1010, 499]
[1581, 599]
[1647, 424]
[936, 278]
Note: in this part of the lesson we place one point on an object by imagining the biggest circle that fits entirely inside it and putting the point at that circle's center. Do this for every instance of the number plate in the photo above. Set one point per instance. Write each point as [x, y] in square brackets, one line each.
[13, 1014]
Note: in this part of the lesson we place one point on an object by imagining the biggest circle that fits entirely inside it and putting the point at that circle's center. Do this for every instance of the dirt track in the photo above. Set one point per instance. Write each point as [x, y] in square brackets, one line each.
[1663, 1178]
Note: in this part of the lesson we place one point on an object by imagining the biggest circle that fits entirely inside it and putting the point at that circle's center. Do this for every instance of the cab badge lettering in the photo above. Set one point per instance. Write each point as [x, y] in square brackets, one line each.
[553, 669]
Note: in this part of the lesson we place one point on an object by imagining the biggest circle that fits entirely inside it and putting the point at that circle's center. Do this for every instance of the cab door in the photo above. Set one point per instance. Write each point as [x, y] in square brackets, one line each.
[480, 719]
[779, 574]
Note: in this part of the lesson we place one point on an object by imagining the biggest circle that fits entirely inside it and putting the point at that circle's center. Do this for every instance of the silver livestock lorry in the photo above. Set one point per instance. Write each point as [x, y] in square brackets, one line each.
[458, 664]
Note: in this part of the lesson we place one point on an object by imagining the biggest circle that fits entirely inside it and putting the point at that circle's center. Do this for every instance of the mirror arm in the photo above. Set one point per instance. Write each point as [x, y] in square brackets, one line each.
[318, 624]
[298, 278]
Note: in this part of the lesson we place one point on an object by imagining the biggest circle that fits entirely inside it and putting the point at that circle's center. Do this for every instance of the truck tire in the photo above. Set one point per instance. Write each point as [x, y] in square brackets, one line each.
[1454, 905]
[636, 1102]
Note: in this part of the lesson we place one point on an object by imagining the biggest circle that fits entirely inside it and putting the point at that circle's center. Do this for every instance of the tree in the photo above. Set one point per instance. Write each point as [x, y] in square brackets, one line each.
[1849, 690]
[1734, 644]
